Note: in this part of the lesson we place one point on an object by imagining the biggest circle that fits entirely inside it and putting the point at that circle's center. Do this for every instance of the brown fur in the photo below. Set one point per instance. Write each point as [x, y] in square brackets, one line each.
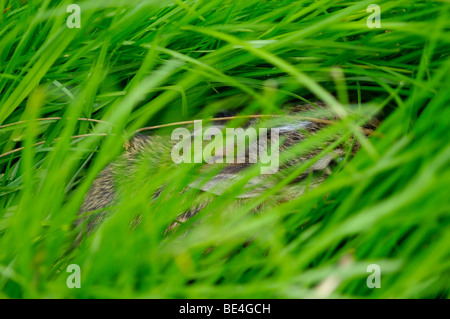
[156, 150]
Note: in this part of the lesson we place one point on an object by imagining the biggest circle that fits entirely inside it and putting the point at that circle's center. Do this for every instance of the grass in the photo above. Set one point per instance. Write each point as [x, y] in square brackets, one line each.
[140, 63]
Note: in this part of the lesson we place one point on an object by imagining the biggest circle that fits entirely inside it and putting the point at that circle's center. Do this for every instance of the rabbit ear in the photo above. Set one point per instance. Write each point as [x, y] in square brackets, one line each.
[221, 182]
[216, 185]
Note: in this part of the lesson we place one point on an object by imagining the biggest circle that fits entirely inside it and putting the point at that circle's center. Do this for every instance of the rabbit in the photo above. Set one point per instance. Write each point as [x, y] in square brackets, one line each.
[155, 150]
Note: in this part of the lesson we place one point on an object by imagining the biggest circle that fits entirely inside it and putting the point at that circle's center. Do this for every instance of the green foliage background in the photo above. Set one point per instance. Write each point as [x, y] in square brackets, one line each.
[139, 63]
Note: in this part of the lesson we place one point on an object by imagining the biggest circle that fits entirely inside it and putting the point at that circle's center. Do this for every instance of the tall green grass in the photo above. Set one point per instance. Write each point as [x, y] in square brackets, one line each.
[141, 63]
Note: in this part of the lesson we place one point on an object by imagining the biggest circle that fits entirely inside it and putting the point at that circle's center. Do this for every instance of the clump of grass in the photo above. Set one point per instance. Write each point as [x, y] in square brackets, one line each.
[143, 63]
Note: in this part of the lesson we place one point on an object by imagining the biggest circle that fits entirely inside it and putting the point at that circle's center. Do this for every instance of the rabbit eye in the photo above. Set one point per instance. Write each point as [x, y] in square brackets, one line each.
[336, 161]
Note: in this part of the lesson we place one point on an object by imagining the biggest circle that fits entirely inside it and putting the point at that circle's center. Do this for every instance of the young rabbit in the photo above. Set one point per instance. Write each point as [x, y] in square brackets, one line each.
[284, 133]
